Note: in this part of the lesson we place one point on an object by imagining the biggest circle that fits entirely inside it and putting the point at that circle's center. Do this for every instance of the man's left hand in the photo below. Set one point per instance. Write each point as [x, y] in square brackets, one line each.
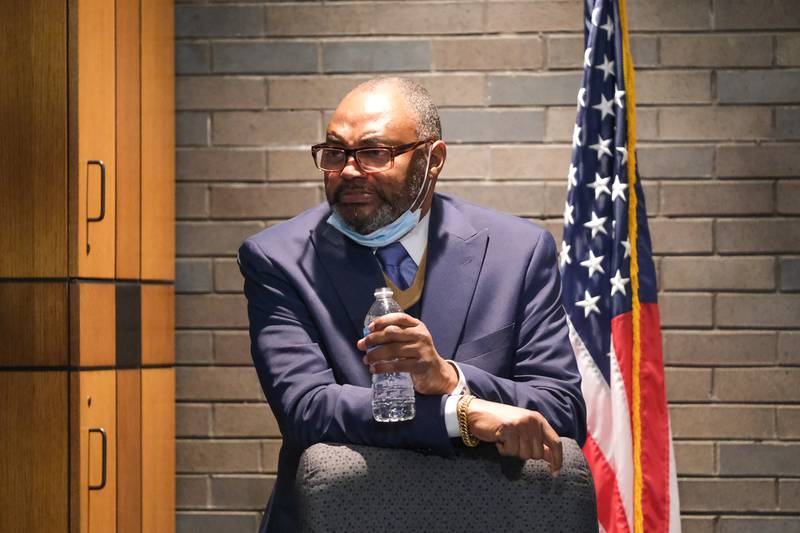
[401, 343]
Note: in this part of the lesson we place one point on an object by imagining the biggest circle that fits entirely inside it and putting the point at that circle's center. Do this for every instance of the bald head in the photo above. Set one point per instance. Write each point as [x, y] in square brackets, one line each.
[416, 98]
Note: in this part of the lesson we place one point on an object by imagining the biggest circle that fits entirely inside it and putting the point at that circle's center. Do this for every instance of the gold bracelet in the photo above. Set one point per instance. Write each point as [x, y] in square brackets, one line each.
[463, 426]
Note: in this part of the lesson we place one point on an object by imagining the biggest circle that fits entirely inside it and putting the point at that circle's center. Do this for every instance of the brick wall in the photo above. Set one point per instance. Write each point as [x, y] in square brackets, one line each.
[719, 124]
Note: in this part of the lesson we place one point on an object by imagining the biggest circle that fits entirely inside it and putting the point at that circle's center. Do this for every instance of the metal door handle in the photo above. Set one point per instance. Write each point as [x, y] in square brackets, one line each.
[102, 198]
[105, 453]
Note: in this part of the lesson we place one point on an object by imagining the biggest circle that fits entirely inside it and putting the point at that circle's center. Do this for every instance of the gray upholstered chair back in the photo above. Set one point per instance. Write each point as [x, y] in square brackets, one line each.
[353, 488]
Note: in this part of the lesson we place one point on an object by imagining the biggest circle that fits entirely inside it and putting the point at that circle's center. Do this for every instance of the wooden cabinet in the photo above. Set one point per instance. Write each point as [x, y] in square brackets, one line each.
[87, 266]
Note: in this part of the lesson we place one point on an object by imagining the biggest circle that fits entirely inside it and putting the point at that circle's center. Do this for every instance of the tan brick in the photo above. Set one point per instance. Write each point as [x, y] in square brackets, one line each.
[760, 161]
[256, 128]
[191, 492]
[262, 201]
[757, 235]
[192, 420]
[244, 420]
[545, 15]
[676, 161]
[717, 123]
[292, 165]
[757, 384]
[755, 14]
[735, 495]
[207, 522]
[367, 18]
[789, 494]
[788, 51]
[685, 309]
[191, 201]
[673, 86]
[216, 92]
[555, 195]
[216, 456]
[531, 162]
[698, 524]
[192, 275]
[270, 449]
[763, 524]
[708, 198]
[716, 50]
[788, 422]
[712, 348]
[694, 458]
[681, 15]
[674, 236]
[241, 491]
[788, 197]
[325, 92]
[717, 273]
[466, 161]
[488, 53]
[217, 383]
[789, 347]
[516, 199]
[213, 164]
[210, 311]
[217, 238]
[232, 348]
[688, 384]
[758, 310]
[759, 459]
[227, 277]
[722, 422]
[194, 347]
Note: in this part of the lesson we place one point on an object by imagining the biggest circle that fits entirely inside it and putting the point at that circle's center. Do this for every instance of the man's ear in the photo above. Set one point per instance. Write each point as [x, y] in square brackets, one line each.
[438, 156]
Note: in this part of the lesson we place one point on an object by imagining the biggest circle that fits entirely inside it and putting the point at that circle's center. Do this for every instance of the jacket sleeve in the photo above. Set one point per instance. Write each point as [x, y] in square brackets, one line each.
[544, 373]
[299, 383]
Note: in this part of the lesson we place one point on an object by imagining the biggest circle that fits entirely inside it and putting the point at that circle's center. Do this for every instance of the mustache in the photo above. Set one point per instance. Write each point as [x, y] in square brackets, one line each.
[354, 189]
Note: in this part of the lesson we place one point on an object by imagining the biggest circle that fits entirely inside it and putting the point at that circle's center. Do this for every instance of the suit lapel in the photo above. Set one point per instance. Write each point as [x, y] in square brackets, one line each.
[455, 256]
[353, 270]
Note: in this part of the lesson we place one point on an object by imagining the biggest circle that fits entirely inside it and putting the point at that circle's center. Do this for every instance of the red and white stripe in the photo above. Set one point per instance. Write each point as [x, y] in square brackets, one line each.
[609, 444]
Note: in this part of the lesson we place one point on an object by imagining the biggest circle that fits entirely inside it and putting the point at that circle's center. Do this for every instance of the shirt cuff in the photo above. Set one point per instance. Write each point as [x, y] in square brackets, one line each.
[451, 404]
[451, 416]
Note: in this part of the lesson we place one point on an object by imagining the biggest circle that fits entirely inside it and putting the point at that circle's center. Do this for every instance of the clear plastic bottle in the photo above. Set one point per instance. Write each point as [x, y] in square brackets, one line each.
[392, 392]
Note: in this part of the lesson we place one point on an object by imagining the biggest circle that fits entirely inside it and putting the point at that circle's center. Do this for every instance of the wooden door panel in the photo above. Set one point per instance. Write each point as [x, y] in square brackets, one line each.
[93, 86]
[93, 496]
[33, 139]
[34, 442]
[33, 324]
[129, 451]
[158, 324]
[158, 140]
[93, 324]
[128, 148]
[158, 450]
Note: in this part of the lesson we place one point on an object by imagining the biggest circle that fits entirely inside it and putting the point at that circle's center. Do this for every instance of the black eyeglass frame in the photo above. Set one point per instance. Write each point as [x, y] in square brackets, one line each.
[394, 151]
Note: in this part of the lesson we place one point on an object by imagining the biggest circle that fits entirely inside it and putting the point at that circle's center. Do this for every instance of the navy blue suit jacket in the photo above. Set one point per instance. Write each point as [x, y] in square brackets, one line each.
[491, 301]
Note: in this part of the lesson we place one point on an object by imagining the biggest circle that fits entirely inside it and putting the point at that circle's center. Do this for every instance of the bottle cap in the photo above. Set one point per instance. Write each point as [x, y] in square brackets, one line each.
[383, 292]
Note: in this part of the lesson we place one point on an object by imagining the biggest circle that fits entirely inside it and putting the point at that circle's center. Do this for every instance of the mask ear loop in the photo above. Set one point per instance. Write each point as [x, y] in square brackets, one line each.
[423, 191]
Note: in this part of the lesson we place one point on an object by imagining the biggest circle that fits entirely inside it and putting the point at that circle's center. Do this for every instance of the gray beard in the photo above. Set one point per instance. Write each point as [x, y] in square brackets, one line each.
[387, 213]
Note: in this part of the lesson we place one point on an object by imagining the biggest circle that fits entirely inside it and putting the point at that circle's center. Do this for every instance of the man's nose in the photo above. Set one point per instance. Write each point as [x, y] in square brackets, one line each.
[351, 169]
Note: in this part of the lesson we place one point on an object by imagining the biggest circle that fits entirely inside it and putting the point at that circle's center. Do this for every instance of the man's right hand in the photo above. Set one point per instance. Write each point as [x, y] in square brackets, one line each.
[515, 431]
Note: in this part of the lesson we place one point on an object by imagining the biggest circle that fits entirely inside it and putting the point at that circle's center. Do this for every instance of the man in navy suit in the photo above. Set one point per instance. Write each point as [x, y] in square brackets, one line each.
[480, 291]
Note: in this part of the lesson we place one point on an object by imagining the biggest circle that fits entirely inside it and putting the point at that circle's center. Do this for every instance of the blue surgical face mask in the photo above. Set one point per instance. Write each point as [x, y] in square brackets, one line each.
[393, 231]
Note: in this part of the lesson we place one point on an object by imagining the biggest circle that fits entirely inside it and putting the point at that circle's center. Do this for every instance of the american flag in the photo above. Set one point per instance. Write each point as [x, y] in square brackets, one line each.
[609, 292]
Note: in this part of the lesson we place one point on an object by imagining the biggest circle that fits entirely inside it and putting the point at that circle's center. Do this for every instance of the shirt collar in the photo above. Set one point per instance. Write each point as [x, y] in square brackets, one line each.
[416, 240]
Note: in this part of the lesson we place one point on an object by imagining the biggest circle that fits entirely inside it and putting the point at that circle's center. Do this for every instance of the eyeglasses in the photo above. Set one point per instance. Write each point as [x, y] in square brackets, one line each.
[370, 158]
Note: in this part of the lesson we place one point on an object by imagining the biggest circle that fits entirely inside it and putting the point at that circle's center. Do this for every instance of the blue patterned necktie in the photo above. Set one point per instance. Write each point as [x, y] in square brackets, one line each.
[397, 265]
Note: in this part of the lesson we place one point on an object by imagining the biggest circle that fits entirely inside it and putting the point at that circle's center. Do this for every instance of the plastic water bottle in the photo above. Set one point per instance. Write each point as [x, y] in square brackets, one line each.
[392, 392]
